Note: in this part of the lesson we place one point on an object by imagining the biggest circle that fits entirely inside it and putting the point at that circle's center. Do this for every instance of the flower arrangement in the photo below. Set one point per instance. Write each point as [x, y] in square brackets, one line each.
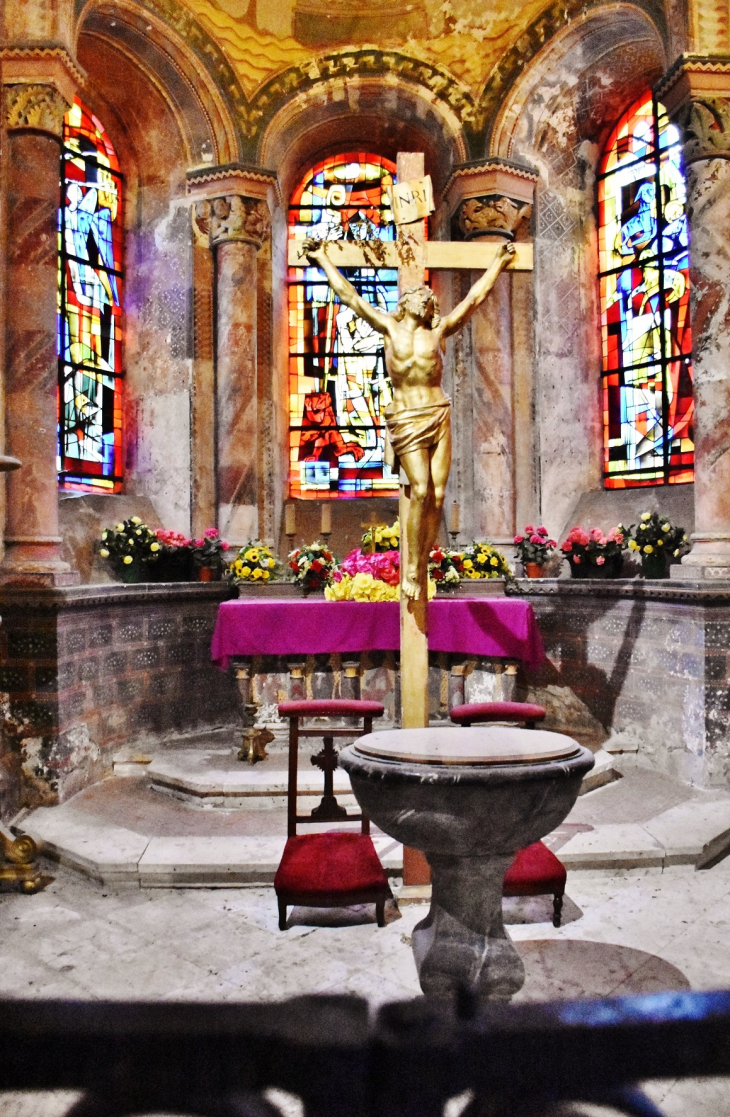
[369, 577]
[589, 551]
[254, 563]
[312, 566]
[176, 559]
[174, 540]
[208, 549]
[128, 545]
[482, 560]
[380, 539]
[657, 541]
[445, 567]
[534, 545]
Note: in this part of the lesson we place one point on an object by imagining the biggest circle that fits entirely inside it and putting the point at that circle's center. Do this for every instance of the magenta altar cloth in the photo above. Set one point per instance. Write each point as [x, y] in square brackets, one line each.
[493, 627]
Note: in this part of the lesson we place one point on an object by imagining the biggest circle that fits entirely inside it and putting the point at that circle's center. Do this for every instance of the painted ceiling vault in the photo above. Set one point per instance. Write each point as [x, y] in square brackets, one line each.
[263, 37]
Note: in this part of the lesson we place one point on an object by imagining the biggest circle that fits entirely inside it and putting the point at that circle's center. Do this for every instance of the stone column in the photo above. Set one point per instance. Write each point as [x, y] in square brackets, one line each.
[493, 201]
[698, 99]
[34, 119]
[236, 226]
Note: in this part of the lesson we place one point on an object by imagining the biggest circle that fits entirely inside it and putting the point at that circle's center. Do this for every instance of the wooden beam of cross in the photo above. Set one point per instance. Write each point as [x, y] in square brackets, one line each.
[412, 255]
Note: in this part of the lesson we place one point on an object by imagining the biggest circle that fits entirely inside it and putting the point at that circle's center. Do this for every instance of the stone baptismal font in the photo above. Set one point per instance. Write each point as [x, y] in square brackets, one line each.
[469, 799]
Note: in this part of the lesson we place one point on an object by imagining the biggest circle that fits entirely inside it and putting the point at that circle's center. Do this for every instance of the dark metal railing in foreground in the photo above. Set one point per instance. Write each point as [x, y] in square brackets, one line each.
[216, 1059]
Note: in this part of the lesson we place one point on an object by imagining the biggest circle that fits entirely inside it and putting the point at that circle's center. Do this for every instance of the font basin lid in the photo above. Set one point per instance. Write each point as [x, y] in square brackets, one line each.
[477, 745]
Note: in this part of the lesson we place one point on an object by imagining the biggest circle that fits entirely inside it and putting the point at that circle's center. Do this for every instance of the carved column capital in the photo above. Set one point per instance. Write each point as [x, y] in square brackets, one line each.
[696, 93]
[36, 106]
[488, 198]
[233, 217]
[705, 127]
[491, 215]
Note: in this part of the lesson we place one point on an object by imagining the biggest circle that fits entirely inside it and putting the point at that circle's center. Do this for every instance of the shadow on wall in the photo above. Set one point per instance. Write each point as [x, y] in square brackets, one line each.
[605, 508]
[82, 520]
[580, 695]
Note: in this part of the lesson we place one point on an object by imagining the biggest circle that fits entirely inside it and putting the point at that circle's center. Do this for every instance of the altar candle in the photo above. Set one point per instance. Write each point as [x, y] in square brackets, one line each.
[454, 516]
[290, 519]
[326, 524]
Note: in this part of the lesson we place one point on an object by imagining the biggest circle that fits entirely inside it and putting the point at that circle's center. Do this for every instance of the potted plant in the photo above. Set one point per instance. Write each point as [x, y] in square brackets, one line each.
[131, 549]
[175, 563]
[255, 564]
[445, 568]
[534, 548]
[482, 560]
[380, 537]
[657, 542]
[208, 555]
[312, 566]
[591, 554]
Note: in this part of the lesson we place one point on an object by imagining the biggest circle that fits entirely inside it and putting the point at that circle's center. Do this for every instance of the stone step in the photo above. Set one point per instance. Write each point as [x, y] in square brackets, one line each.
[694, 833]
[217, 778]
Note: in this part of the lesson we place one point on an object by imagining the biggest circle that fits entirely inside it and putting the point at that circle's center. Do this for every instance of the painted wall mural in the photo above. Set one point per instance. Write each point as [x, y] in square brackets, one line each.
[338, 386]
[644, 283]
[89, 308]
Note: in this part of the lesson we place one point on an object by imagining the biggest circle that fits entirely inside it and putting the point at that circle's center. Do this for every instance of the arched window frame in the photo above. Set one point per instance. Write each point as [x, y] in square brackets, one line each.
[644, 276]
[315, 345]
[90, 302]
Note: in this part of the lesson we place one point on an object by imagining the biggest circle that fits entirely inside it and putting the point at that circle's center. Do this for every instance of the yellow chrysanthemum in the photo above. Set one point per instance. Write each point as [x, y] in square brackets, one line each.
[646, 515]
[258, 573]
[648, 550]
[104, 553]
[127, 559]
[494, 562]
[633, 545]
[265, 574]
[154, 546]
[246, 572]
[136, 520]
[468, 564]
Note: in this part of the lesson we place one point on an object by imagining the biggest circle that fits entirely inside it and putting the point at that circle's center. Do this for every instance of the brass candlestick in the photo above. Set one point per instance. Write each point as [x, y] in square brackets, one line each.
[19, 866]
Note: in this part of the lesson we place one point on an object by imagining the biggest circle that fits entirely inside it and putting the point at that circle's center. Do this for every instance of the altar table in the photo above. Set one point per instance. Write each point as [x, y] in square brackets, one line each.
[490, 627]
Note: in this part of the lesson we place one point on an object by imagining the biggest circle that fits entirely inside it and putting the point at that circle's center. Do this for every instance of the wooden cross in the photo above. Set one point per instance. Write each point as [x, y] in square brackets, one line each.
[412, 255]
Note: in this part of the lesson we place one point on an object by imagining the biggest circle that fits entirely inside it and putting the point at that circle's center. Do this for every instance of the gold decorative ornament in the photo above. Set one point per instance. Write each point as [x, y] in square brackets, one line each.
[40, 107]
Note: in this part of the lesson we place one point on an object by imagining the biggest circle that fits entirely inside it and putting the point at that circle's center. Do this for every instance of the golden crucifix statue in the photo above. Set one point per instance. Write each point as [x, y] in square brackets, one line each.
[418, 420]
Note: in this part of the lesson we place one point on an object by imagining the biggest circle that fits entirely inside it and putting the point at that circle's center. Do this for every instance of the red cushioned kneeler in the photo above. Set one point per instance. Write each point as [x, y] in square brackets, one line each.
[536, 871]
[325, 870]
[337, 868]
[472, 712]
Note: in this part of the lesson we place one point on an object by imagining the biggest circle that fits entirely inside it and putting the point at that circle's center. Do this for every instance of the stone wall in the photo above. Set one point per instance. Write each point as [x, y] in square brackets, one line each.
[88, 670]
[640, 667]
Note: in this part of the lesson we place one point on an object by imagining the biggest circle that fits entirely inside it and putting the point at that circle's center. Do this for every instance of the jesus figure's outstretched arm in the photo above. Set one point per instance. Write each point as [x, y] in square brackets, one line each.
[316, 253]
[461, 314]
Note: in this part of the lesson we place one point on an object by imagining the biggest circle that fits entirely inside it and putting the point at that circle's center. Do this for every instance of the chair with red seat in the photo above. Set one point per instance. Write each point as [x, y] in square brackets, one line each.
[536, 871]
[336, 868]
[526, 713]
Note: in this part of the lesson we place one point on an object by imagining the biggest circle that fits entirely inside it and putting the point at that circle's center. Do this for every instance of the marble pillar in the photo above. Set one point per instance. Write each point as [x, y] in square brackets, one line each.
[236, 227]
[698, 99]
[34, 119]
[493, 202]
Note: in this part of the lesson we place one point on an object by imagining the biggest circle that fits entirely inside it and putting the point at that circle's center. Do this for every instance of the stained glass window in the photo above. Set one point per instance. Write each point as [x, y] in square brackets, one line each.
[89, 308]
[338, 386]
[644, 281]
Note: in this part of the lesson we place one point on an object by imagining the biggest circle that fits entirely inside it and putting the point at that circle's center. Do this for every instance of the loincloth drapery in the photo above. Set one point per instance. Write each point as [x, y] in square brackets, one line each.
[414, 428]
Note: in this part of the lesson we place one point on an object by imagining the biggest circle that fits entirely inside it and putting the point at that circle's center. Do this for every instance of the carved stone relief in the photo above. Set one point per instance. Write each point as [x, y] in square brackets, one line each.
[705, 126]
[35, 106]
[233, 218]
[492, 213]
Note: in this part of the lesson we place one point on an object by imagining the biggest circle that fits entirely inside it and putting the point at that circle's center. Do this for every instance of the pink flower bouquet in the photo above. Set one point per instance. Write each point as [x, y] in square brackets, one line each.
[593, 554]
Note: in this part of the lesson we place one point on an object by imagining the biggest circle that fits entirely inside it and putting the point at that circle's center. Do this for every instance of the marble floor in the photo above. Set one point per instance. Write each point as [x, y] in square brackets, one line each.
[628, 932]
